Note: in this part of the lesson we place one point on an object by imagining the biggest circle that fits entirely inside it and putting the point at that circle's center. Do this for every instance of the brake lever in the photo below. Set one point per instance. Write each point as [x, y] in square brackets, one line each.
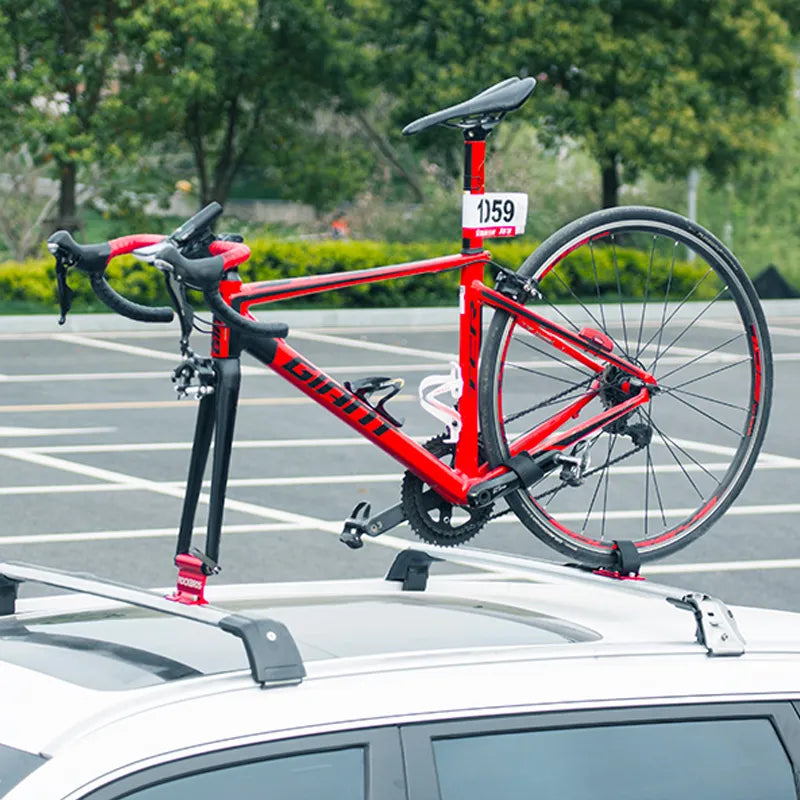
[65, 293]
[177, 294]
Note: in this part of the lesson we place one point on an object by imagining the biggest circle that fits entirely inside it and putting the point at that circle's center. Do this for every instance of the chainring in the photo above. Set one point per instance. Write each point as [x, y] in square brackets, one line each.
[430, 516]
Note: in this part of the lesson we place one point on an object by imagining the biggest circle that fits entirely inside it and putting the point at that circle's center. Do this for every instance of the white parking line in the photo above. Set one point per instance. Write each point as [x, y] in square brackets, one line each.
[101, 344]
[359, 344]
[765, 460]
[160, 488]
[310, 480]
[289, 521]
[723, 566]
[678, 513]
[14, 432]
[84, 377]
[138, 533]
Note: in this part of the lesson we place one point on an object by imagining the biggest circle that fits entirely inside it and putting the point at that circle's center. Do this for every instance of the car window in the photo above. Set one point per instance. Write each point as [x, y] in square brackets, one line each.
[329, 775]
[14, 766]
[727, 759]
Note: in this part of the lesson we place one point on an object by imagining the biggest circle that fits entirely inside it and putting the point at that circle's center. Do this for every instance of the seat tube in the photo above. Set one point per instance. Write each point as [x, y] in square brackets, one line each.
[474, 178]
[470, 310]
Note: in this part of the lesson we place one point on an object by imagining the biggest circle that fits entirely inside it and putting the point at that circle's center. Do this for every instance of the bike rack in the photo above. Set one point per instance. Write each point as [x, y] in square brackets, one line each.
[271, 651]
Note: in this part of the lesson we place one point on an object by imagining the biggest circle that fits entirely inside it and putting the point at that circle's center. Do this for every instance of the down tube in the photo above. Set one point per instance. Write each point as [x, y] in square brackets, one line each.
[331, 395]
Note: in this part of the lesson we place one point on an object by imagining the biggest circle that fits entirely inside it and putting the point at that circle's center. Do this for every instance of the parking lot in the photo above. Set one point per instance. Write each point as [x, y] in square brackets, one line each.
[95, 450]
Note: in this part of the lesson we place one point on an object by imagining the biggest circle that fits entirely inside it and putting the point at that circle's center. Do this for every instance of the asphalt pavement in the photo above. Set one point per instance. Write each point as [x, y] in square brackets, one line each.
[95, 449]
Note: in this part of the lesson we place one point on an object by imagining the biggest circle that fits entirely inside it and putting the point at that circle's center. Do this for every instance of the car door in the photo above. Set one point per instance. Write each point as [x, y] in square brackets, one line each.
[356, 765]
[731, 751]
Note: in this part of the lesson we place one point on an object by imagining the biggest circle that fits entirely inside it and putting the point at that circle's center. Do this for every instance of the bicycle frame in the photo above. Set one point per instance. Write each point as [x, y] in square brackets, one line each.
[460, 484]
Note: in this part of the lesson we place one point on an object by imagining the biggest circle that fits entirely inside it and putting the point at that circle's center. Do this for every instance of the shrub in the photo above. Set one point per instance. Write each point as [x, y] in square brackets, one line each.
[30, 285]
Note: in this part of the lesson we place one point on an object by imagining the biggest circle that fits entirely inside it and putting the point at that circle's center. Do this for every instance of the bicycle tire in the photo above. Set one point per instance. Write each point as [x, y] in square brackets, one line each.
[589, 263]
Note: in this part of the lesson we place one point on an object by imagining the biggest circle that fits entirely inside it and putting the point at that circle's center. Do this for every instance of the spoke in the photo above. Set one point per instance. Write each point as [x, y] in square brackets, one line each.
[665, 322]
[597, 286]
[668, 441]
[702, 355]
[591, 504]
[672, 391]
[547, 375]
[646, 497]
[644, 304]
[713, 372]
[619, 294]
[655, 483]
[550, 355]
[557, 309]
[585, 308]
[680, 335]
[611, 442]
[550, 494]
[666, 304]
[707, 416]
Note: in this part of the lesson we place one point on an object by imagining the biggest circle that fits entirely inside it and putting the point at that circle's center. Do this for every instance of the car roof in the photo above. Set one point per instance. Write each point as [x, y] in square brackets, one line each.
[522, 636]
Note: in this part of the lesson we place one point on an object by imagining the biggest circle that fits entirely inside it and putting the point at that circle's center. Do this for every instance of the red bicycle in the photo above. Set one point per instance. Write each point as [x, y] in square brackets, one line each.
[620, 394]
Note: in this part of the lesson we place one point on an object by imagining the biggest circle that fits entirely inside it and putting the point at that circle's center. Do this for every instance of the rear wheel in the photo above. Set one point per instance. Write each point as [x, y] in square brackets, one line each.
[672, 298]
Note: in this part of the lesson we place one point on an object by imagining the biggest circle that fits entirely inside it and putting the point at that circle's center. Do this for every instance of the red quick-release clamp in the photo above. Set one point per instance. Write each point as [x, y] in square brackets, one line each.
[191, 581]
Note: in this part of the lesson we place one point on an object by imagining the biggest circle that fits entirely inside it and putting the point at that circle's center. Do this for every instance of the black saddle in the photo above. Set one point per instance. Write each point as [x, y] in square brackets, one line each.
[484, 110]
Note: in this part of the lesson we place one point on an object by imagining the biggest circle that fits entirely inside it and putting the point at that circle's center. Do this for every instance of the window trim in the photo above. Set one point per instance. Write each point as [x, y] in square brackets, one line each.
[417, 740]
[383, 766]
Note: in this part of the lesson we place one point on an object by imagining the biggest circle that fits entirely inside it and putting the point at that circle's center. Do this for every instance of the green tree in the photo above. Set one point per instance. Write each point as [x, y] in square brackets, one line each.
[62, 76]
[662, 85]
[237, 78]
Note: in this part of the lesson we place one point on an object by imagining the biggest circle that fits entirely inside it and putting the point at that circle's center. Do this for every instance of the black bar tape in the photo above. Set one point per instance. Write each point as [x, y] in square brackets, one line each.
[120, 305]
[274, 330]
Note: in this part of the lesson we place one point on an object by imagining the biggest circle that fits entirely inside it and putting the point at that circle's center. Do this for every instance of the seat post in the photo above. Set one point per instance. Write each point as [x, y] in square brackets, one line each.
[474, 177]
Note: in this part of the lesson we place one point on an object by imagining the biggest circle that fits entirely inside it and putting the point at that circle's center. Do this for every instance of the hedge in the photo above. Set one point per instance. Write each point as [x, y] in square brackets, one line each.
[30, 285]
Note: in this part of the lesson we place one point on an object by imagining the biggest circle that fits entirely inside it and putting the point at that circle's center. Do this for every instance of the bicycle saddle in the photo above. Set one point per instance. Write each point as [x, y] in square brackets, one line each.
[485, 109]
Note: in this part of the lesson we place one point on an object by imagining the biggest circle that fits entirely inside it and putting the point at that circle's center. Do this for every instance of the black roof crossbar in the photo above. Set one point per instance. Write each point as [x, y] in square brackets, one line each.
[271, 651]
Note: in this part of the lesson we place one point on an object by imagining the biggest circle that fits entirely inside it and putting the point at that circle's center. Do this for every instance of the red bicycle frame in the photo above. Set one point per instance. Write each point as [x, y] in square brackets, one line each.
[460, 484]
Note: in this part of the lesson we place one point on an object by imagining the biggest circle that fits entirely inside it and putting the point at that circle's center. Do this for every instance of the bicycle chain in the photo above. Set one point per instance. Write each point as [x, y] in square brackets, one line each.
[549, 400]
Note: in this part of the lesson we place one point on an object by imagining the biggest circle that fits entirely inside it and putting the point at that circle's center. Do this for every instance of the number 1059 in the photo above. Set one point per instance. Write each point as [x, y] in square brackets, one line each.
[495, 210]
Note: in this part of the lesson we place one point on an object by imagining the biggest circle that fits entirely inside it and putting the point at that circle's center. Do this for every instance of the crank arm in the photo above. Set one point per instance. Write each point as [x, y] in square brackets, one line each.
[361, 523]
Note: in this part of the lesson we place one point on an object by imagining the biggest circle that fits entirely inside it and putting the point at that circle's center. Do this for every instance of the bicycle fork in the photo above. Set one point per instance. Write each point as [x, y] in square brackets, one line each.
[216, 417]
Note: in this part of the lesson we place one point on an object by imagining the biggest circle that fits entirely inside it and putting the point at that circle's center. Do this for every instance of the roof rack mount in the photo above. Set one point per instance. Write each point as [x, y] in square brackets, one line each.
[716, 628]
[271, 651]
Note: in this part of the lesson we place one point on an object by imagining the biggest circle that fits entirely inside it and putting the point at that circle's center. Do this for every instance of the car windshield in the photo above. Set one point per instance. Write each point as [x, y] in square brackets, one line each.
[14, 766]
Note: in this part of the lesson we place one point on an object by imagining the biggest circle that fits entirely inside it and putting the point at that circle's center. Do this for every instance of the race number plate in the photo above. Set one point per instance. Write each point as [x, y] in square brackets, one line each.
[494, 214]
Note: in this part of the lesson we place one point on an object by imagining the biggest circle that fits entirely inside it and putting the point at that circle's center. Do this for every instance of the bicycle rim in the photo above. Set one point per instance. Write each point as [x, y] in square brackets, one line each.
[672, 298]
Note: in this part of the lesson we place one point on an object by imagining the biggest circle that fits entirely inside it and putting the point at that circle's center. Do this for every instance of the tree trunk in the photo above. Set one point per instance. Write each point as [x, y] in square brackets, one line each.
[67, 209]
[610, 178]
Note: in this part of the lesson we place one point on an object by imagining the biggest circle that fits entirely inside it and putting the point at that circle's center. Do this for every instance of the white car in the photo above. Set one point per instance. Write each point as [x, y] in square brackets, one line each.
[508, 678]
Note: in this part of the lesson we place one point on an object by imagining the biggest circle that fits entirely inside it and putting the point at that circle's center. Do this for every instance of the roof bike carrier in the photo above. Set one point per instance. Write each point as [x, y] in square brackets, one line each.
[627, 563]
[271, 651]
